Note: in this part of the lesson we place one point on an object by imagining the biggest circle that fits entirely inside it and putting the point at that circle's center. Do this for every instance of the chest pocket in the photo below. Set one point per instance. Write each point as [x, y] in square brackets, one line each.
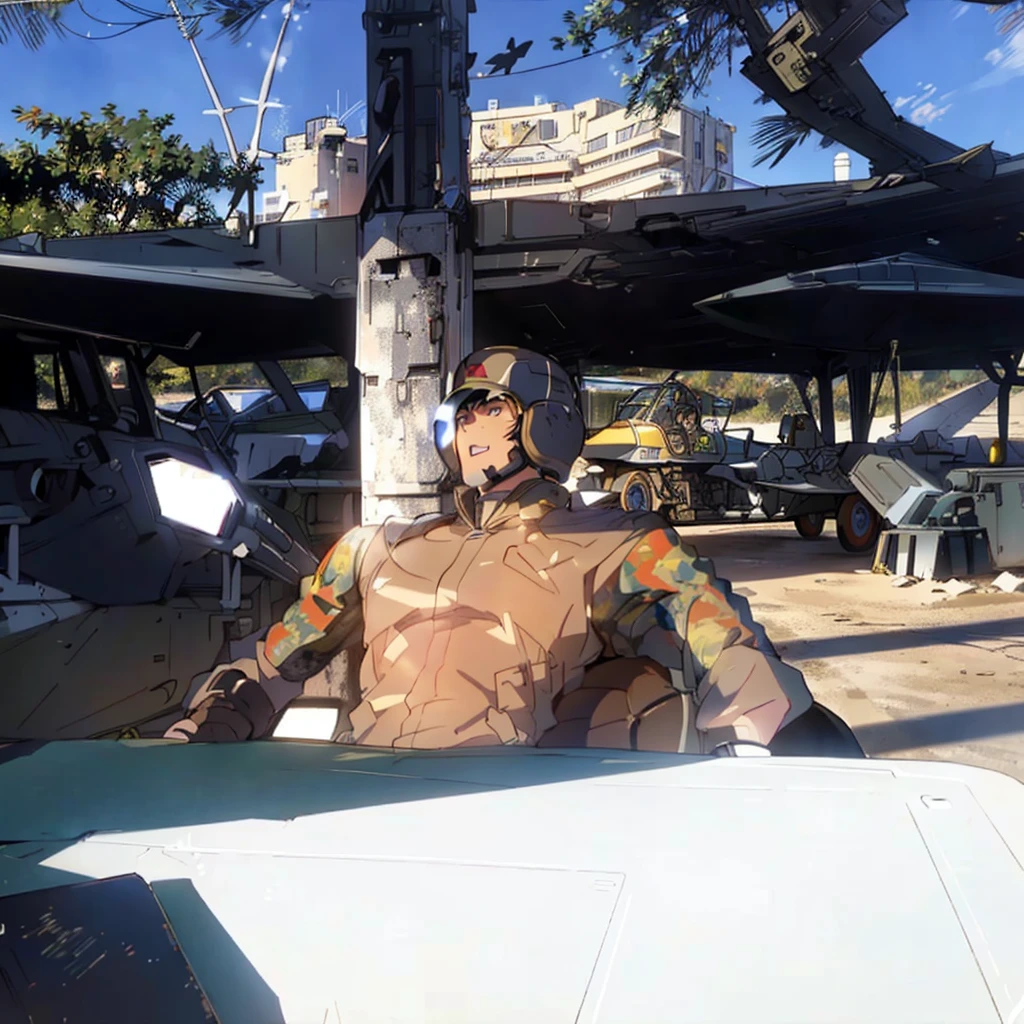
[533, 564]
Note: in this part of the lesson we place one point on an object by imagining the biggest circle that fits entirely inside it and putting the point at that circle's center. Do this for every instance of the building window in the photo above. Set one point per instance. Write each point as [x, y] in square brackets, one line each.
[644, 127]
[352, 165]
[624, 134]
[601, 142]
[698, 150]
[547, 129]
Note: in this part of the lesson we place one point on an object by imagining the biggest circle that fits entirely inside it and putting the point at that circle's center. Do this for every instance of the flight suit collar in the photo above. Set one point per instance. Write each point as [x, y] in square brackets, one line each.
[532, 499]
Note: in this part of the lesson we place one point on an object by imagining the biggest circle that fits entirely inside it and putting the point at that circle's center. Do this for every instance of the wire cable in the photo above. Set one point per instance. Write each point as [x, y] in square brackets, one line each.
[557, 63]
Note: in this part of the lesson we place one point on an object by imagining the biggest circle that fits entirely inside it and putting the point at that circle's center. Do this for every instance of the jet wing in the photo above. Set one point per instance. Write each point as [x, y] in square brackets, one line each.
[304, 880]
[802, 488]
[924, 302]
[952, 414]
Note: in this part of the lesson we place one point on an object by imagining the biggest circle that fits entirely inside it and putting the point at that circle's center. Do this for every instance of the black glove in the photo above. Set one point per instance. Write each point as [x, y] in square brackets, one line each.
[236, 709]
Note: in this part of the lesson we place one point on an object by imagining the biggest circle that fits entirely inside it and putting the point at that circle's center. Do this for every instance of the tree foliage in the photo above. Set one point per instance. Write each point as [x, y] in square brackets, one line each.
[777, 134]
[672, 46]
[108, 175]
[765, 397]
[1011, 16]
[30, 23]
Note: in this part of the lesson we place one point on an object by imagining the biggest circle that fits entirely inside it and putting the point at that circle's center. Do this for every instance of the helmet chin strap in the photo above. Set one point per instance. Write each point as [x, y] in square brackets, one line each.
[517, 461]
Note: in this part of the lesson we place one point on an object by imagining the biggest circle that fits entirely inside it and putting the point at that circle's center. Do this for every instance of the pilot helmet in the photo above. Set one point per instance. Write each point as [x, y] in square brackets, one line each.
[551, 428]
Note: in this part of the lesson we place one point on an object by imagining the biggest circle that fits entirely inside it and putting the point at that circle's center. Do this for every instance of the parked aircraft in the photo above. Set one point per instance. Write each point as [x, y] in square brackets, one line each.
[292, 440]
[134, 555]
[671, 449]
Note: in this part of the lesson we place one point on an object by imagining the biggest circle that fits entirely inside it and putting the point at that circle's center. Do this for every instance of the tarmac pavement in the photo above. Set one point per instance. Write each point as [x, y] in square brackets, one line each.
[914, 673]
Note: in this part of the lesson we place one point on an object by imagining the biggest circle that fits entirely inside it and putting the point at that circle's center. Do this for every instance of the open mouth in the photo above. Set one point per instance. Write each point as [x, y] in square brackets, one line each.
[478, 449]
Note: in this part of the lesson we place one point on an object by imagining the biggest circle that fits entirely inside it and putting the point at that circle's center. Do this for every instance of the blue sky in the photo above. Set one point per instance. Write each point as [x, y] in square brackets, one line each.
[945, 66]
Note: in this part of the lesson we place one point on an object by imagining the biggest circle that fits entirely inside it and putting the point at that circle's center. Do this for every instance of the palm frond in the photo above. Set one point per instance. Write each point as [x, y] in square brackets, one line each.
[30, 23]
[778, 134]
[235, 17]
[1011, 17]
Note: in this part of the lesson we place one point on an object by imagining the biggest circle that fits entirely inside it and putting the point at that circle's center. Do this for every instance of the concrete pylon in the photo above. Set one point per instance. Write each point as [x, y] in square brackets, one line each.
[414, 308]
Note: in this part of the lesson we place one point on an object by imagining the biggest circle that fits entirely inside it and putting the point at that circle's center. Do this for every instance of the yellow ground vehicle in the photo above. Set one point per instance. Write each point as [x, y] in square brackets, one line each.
[658, 451]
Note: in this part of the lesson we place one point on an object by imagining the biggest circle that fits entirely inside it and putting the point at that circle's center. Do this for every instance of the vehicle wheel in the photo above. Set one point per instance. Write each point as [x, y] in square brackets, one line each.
[810, 526]
[638, 493]
[857, 525]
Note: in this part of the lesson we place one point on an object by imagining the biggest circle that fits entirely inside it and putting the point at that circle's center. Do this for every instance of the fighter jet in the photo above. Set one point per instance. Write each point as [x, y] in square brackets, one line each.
[507, 60]
[133, 552]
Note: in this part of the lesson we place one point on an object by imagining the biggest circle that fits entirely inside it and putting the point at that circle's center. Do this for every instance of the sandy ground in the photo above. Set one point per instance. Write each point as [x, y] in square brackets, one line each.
[983, 425]
[940, 681]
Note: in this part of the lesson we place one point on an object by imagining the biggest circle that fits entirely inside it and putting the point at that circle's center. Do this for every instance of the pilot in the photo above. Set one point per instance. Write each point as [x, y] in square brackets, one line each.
[517, 619]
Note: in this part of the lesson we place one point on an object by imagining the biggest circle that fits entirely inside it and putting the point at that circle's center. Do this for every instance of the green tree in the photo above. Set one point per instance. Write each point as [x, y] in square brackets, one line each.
[108, 175]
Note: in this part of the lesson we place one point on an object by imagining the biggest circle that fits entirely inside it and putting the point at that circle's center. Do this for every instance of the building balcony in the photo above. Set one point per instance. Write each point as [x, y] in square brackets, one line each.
[654, 180]
[650, 159]
[506, 189]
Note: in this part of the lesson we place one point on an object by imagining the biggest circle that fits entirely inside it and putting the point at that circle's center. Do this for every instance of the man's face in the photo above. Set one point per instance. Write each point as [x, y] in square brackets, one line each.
[483, 438]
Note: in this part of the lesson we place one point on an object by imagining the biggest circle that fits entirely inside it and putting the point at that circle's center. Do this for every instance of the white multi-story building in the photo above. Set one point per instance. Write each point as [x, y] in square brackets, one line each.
[595, 151]
[592, 151]
[320, 173]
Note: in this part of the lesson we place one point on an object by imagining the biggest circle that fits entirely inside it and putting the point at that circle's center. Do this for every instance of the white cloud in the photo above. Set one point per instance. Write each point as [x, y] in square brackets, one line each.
[928, 113]
[961, 11]
[282, 58]
[922, 110]
[1007, 62]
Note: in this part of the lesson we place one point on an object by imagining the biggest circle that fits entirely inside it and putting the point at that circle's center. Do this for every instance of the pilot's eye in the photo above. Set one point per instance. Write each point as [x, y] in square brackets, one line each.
[494, 410]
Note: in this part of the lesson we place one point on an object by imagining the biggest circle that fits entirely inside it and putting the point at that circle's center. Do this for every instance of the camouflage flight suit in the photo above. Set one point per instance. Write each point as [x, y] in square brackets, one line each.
[477, 624]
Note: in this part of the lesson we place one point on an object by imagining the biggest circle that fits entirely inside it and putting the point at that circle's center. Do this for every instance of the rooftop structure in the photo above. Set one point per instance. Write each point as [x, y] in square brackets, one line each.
[321, 172]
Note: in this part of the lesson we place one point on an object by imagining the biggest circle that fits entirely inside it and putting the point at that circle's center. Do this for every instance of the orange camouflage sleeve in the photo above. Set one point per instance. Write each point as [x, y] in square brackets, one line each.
[328, 615]
[663, 600]
[666, 603]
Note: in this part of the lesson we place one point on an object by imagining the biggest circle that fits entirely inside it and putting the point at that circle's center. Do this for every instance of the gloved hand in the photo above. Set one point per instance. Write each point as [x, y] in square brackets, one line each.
[237, 709]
